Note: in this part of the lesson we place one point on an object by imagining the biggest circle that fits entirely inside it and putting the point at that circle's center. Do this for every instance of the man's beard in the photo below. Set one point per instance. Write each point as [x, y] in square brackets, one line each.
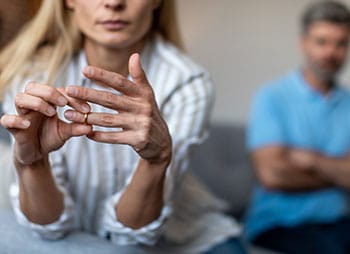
[324, 74]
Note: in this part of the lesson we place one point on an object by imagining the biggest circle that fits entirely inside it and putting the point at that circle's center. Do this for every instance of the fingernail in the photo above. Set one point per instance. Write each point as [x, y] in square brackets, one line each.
[85, 108]
[62, 101]
[25, 123]
[88, 71]
[68, 114]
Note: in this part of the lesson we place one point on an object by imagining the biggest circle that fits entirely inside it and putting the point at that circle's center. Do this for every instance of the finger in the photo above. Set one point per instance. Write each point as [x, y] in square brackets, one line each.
[111, 79]
[99, 119]
[136, 71]
[25, 102]
[14, 122]
[21, 111]
[73, 130]
[103, 98]
[114, 137]
[77, 104]
[47, 93]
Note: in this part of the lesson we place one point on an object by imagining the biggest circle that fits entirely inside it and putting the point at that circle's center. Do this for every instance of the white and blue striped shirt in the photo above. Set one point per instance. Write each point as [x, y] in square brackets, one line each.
[93, 175]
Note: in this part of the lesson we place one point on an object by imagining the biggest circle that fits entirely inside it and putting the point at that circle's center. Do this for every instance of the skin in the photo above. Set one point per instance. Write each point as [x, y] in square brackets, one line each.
[37, 129]
[324, 46]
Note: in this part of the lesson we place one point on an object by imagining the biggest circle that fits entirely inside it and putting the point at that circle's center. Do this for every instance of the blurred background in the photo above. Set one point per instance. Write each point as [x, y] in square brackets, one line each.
[10, 23]
[243, 43]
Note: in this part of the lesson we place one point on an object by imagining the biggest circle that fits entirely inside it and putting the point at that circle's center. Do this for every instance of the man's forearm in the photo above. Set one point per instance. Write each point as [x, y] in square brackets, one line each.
[337, 170]
[285, 176]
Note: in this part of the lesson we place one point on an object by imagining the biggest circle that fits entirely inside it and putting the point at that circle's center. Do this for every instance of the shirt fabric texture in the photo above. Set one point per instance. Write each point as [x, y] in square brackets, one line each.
[289, 112]
[94, 175]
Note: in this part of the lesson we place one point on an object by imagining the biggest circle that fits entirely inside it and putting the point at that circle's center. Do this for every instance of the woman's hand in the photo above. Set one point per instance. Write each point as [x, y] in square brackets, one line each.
[137, 112]
[36, 128]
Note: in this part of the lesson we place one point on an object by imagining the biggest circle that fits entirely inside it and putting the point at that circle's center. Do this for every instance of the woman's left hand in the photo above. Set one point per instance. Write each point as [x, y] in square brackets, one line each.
[137, 113]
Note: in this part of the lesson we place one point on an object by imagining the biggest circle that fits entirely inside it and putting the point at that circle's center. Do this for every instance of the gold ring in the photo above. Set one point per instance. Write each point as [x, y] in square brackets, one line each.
[86, 118]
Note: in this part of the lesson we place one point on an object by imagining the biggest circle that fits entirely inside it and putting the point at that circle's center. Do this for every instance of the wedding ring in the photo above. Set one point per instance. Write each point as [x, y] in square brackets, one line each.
[86, 118]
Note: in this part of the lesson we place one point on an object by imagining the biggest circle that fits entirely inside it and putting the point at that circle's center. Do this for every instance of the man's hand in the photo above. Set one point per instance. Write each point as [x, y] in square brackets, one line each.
[303, 159]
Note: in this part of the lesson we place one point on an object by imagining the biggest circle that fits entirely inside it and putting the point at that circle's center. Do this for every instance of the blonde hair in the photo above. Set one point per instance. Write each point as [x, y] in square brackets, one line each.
[53, 28]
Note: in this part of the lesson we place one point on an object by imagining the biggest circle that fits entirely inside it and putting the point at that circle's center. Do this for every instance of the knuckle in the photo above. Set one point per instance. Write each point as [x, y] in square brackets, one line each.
[30, 85]
[37, 104]
[11, 122]
[51, 92]
[100, 73]
[147, 110]
[18, 99]
[140, 122]
[115, 139]
[143, 138]
[117, 80]
[107, 120]
[82, 92]
[109, 99]
[147, 123]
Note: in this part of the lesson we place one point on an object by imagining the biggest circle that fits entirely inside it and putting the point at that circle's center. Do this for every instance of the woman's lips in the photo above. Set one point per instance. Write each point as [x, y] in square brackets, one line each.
[114, 25]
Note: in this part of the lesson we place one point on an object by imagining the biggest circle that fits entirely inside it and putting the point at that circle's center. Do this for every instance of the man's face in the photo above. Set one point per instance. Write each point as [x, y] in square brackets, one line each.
[325, 47]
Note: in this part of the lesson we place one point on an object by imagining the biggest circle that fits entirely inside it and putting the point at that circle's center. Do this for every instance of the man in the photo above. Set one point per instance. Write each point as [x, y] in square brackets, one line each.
[299, 138]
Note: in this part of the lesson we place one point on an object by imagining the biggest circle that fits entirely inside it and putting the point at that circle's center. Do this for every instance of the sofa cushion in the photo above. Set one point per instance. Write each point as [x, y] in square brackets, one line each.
[222, 164]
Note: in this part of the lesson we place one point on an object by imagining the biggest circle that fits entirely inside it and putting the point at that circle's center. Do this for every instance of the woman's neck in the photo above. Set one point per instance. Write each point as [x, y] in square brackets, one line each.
[111, 59]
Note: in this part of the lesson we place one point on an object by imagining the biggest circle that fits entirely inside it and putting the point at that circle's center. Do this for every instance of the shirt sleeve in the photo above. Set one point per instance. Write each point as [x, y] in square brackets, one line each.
[65, 222]
[265, 126]
[186, 112]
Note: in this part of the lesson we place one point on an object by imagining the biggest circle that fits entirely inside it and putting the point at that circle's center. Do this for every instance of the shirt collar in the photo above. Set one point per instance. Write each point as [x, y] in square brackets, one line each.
[307, 90]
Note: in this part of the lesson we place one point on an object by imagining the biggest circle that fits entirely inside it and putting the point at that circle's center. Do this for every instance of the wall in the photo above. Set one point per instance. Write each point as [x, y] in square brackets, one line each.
[243, 43]
[13, 14]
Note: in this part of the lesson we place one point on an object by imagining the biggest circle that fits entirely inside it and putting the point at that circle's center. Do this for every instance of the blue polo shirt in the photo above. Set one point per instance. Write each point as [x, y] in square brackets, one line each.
[289, 112]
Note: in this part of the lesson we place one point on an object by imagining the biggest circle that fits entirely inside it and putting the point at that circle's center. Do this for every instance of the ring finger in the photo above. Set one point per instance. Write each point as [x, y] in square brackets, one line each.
[100, 119]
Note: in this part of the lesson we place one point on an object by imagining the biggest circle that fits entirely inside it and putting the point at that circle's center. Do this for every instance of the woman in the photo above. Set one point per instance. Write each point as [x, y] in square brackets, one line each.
[133, 125]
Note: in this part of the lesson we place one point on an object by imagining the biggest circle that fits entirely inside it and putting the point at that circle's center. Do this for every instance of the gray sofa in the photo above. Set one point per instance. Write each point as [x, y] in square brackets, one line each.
[221, 163]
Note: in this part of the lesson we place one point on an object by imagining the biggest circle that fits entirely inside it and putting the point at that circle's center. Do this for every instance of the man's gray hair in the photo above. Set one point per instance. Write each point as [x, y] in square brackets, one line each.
[329, 11]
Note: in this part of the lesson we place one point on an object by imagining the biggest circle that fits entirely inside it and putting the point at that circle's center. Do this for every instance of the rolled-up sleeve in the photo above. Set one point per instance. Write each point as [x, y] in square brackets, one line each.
[186, 112]
[123, 235]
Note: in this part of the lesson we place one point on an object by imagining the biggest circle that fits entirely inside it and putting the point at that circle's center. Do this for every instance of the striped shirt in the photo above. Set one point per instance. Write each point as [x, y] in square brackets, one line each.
[94, 175]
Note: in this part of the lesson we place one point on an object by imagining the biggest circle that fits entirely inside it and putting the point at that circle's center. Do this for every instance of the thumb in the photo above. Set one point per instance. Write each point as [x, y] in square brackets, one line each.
[136, 71]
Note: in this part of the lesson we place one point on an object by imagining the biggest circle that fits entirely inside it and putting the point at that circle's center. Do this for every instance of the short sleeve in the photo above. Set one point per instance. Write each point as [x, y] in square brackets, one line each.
[266, 118]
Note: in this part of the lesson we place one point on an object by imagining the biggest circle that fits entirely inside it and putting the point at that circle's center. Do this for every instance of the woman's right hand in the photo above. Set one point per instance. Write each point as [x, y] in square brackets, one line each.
[36, 128]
